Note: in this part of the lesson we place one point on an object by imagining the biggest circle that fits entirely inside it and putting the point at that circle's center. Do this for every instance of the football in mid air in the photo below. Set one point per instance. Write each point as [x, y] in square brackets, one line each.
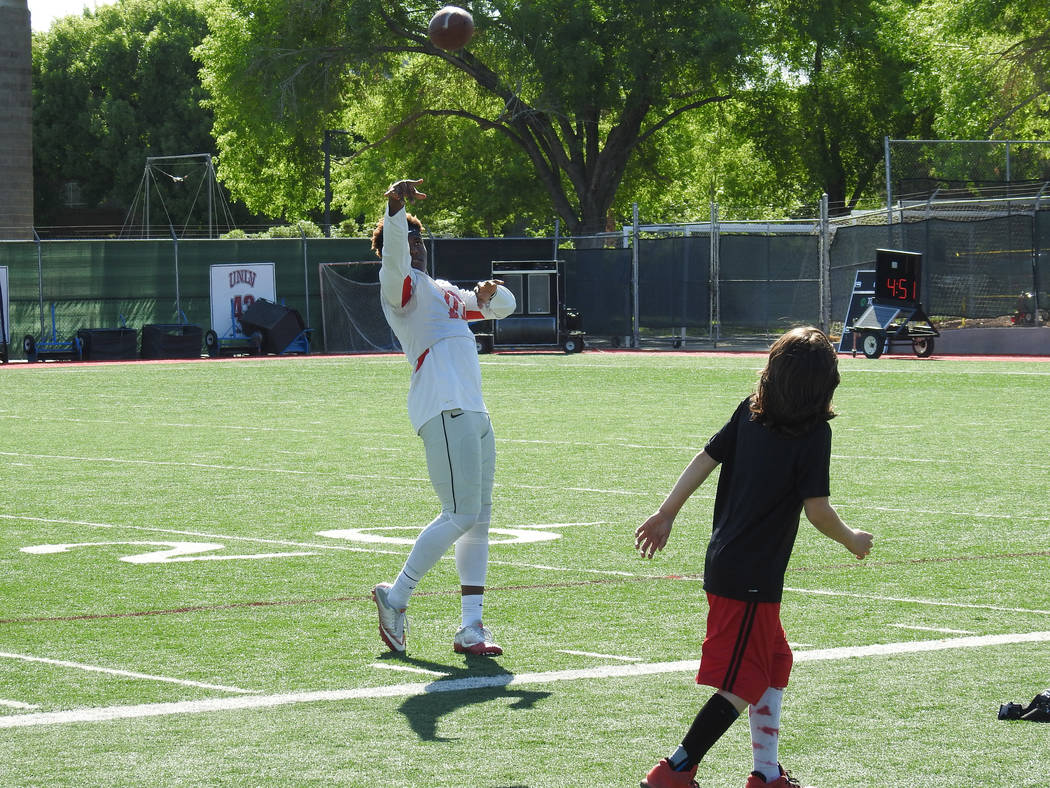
[451, 28]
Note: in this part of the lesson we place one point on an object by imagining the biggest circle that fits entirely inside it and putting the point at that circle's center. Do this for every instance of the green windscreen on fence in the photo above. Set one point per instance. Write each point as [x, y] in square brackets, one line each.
[977, 263]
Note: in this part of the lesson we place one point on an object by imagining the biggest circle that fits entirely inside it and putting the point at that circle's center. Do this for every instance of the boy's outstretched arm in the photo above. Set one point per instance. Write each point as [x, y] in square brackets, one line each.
[822, 514]
[652, 535]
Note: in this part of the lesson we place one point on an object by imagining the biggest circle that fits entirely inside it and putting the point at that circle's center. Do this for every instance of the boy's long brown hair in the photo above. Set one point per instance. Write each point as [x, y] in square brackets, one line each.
[795, 389]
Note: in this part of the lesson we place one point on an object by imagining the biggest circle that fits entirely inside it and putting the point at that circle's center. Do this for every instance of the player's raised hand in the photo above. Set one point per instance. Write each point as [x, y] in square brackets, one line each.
[652, 535]
[405, 190]
[486, 290]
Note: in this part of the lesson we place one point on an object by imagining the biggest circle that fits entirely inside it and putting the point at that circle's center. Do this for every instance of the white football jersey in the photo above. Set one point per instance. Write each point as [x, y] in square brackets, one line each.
[430, 319]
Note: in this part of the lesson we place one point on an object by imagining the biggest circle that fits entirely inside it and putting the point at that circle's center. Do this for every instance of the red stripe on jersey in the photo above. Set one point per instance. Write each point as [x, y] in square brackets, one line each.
[472, 315]
[421, 359]
[406, 293]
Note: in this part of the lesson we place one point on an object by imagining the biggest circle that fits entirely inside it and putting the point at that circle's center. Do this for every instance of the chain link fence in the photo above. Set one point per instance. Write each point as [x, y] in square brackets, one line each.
[710, 283]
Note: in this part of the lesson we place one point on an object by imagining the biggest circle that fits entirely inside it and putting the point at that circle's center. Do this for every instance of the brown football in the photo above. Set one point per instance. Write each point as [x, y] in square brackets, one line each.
[451, 28]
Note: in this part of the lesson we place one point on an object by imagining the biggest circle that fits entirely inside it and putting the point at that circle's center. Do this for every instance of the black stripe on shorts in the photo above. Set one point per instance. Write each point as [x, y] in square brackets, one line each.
[742, 637]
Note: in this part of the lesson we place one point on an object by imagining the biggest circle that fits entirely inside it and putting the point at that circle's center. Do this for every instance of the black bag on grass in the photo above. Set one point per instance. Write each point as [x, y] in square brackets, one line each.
[1036, 711]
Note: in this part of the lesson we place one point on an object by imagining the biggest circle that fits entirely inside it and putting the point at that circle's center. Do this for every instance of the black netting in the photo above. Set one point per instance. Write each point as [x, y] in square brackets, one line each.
[768, 282]
[980, 261]
[597, 283]
[674, 283]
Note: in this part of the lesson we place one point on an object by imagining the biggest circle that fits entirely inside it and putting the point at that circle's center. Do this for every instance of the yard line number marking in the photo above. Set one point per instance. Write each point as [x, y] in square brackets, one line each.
[176, 552]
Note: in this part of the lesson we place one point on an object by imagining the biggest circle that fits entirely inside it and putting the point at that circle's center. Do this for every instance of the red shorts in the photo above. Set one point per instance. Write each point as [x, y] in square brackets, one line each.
[745, 650]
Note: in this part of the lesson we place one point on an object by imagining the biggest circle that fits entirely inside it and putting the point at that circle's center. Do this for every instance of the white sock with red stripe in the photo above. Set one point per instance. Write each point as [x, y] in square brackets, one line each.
[764, 717]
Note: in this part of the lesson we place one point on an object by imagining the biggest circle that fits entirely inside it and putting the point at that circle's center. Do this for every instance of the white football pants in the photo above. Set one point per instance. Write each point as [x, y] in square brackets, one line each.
[461, 461]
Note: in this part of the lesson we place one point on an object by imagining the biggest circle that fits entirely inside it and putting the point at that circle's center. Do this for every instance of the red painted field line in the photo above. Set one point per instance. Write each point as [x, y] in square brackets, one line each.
[526, 587]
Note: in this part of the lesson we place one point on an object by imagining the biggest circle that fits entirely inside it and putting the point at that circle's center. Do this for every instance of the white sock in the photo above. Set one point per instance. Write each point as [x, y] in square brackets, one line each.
[471, 606]
[764, 717]
[432, 543]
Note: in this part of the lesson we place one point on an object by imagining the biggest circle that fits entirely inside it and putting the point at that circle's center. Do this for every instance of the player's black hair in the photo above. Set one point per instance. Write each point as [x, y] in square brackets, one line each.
[377, 233]
[795, 389]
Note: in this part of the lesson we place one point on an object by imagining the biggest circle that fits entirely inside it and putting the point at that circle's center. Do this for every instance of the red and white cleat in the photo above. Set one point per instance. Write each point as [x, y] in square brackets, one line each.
[393, 626]
[476, 640]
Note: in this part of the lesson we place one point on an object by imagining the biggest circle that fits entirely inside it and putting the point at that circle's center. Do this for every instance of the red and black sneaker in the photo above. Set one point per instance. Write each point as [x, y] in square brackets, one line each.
[663, 776]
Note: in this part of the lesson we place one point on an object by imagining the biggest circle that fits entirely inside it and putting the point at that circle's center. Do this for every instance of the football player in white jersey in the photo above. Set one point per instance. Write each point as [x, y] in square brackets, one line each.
[430, 318]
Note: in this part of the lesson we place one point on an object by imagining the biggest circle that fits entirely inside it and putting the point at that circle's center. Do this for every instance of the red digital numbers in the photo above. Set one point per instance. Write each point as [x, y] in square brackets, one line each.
[901, 288]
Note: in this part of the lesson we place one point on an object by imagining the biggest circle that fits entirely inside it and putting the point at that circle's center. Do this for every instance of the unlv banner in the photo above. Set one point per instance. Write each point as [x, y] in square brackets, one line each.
[234, 288]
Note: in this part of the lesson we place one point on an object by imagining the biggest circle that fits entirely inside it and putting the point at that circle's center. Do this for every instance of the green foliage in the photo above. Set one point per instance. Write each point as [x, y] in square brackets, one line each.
[837, 81]
[110, 88]
[991, 61]
[562, 93]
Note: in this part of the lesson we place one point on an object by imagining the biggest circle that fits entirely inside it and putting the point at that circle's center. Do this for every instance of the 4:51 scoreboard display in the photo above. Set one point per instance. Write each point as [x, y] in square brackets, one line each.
[897, 276]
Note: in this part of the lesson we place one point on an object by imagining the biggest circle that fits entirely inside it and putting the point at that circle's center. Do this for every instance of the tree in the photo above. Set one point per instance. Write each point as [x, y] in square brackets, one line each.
[840, 79]
[992, 60]
[576, 87]
[112, 87]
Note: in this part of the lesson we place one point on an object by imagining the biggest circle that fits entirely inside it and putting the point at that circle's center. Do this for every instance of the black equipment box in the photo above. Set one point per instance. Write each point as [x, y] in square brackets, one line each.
[108, 344]
[278, 325]
[171, 341]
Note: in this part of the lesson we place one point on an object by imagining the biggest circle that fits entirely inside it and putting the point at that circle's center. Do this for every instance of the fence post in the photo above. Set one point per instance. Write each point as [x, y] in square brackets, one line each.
[306, 273]
[889, 187]
[40, 279]
[715, 309]
[178, 298]
[635, 339]
[824, 268]
[1036, 254]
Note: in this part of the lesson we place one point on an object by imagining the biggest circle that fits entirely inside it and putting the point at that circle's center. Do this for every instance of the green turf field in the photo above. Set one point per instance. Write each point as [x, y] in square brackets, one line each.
[204, 628]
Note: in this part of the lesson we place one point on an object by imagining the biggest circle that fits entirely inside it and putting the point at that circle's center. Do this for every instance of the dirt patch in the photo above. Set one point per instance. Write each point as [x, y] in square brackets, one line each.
[973, 322]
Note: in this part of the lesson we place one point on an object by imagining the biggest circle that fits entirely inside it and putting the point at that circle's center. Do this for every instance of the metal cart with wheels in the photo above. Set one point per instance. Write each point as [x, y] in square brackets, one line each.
[881, 327]
[232, 341]
[895, 315]
[51, 347]
[541, 319]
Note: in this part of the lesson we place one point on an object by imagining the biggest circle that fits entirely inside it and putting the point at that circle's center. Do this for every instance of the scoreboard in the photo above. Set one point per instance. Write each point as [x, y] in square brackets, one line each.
[897, 277]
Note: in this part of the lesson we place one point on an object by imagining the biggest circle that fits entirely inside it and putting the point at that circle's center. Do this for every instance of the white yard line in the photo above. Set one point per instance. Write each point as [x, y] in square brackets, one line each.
[545, 568]
[386, 478]
[555, 525]
[125, 673]
[914, 601]
[486, 682]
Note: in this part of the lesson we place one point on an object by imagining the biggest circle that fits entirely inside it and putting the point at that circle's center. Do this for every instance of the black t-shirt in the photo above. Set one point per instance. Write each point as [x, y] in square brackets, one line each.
[764, 479]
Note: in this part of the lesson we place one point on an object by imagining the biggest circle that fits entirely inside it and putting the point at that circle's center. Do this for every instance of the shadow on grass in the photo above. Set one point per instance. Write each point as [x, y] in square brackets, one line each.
[480, 679]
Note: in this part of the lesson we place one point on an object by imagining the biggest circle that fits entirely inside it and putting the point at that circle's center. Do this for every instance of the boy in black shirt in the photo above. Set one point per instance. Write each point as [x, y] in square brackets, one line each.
[775, 454]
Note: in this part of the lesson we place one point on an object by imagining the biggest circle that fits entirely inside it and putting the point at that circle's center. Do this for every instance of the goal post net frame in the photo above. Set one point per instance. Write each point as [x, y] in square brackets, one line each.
[352, 319]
